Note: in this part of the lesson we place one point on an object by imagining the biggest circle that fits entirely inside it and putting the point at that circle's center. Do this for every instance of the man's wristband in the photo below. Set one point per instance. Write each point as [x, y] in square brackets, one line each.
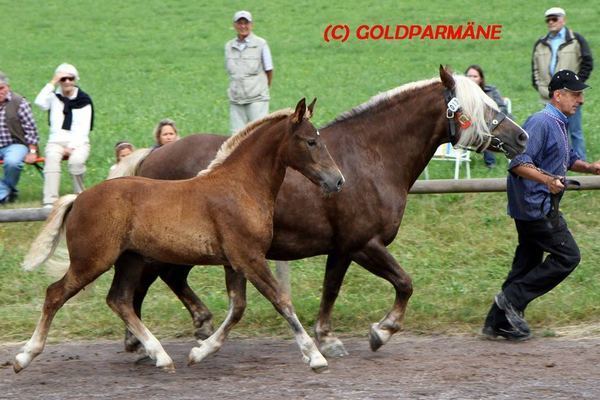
[32, 151]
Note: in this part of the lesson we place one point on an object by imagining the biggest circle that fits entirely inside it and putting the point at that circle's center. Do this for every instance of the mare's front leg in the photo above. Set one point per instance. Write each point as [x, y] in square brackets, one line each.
[329, 344]
[260, 275]
[120, 300]
[176, 277]
[236, 290]
[375, 258]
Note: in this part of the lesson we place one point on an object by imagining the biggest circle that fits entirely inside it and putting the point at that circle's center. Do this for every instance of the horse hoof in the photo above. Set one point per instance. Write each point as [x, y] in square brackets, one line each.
[132, 346]
[378, 337]
[17, 367]
[319, 364]
[204, 331]
[144, 360]
[198, 354]
[334, 349]
[170, 368]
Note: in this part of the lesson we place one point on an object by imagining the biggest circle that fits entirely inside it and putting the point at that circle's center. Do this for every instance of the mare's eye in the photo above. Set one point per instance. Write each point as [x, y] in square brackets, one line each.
[311, 142]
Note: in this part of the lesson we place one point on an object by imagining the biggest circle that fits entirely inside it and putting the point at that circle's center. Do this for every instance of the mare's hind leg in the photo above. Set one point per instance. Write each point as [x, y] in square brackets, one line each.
[76, 278]
[261, 277]
[120, 300]
[375, 258]
[176, 277]
[236, 290]
[336, 268]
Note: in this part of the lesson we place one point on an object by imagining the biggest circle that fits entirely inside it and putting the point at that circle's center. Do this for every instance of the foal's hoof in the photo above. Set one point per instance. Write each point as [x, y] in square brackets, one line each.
[17, 367]
[378, 337]
[319, 364]
[170, 368]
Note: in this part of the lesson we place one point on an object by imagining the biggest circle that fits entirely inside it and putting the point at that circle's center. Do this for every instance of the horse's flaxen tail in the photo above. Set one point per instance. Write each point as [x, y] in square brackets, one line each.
[128, 165]
[45, 243]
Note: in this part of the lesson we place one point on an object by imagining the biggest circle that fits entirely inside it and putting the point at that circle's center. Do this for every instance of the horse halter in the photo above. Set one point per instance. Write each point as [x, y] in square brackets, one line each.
[456, 116]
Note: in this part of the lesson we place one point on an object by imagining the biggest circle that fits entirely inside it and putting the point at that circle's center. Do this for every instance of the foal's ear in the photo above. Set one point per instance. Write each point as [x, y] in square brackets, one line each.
[300, 111]
[446, 77]
[311, 106]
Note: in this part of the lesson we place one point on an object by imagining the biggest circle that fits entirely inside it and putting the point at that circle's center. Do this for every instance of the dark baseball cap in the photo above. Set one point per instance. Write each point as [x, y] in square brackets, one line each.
[566, 79]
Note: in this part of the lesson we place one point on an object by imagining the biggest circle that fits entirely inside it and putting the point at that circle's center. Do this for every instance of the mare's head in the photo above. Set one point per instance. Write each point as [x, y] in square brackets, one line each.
[475, 121]
[305, 151]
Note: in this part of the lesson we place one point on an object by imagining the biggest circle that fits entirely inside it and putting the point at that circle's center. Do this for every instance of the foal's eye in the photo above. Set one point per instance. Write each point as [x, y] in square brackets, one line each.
[311, 142]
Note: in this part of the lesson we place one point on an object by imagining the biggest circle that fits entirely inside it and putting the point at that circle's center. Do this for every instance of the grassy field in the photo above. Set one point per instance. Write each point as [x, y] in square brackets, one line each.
[144, 61]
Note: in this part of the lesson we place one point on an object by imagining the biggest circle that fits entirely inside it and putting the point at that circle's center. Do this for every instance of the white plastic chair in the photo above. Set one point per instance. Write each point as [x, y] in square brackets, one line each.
[508, 103]
[448, 153]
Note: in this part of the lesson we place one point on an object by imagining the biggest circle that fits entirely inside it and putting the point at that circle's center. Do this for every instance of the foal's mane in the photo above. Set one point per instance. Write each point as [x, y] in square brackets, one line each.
[234, 141]
[470, 96]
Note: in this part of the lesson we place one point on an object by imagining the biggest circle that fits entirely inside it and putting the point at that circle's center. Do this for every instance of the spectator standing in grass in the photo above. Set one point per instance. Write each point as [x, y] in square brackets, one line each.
[18, 139]
[71, 118]
[535, 185]
[250, 67]
[562, 48]
[475, 73]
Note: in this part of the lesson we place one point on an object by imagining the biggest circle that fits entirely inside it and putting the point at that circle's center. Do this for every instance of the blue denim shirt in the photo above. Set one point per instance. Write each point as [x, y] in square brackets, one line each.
[548, 149]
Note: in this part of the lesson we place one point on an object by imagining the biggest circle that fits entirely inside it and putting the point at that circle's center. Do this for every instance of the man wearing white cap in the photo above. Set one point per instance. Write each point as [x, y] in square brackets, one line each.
[559, 49]
[71, 118]
[250, 67]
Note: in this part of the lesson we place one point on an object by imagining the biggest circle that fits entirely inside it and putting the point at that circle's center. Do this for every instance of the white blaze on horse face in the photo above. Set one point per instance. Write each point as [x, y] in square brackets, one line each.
[318, 133]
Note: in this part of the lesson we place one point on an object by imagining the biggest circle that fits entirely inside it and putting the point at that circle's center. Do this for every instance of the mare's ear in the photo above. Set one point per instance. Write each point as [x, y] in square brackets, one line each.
[446, 77]
[311, 106]
[300, 111]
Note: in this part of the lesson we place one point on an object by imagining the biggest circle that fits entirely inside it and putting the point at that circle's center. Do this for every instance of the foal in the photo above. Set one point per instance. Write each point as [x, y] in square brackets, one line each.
[223, 216]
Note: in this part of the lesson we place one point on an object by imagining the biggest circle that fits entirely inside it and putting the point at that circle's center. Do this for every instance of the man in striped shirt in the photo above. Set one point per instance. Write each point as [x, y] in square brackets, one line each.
[18, 138]
[535, 186]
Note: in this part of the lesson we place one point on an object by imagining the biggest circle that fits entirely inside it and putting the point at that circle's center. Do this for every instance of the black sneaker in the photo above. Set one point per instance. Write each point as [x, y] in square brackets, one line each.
[511, 335]
[514, 316]
[12, 197]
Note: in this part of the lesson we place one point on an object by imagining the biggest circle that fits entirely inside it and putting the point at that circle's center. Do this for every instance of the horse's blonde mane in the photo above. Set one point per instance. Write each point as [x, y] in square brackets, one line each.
[128, 165]
[233, 142]
[380, 98]
[472, 99]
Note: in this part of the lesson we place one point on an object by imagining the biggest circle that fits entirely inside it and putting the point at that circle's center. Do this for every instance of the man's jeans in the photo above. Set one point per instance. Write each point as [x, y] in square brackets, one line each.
[13, 156]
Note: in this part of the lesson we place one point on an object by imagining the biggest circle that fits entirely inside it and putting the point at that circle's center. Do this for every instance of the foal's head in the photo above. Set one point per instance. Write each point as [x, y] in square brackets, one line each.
[480, 124]
[305, 151]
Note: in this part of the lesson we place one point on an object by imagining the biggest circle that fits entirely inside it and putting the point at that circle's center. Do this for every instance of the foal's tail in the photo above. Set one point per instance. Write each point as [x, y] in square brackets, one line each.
[45, 243]
[128, 165]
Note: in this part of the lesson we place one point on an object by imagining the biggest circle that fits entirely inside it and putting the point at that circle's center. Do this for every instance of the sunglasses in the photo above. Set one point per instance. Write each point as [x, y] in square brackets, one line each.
[67, 78]
[551, 19]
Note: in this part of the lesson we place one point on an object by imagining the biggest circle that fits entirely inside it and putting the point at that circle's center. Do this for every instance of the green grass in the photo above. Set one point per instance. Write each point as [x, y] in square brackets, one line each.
[144, 61]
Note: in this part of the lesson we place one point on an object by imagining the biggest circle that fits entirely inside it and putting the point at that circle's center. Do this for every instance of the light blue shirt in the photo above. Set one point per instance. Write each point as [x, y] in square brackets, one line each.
[555, 42]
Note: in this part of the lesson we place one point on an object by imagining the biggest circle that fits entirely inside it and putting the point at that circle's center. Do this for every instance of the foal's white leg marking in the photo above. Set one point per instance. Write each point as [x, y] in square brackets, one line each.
[153, 348]
[214, 342]
[30, 350]
[310, 353]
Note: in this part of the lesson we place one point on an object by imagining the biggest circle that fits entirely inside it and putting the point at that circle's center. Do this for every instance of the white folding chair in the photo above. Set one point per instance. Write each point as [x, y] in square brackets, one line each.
[508, 103]
[448, 153]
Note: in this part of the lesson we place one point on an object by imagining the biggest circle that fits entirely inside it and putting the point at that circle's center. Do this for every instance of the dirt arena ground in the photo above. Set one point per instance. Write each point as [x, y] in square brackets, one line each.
[409, 367]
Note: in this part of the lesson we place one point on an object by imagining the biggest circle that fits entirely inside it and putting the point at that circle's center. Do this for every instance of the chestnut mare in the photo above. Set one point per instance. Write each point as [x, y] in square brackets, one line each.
[223, 216]
[382, 146]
